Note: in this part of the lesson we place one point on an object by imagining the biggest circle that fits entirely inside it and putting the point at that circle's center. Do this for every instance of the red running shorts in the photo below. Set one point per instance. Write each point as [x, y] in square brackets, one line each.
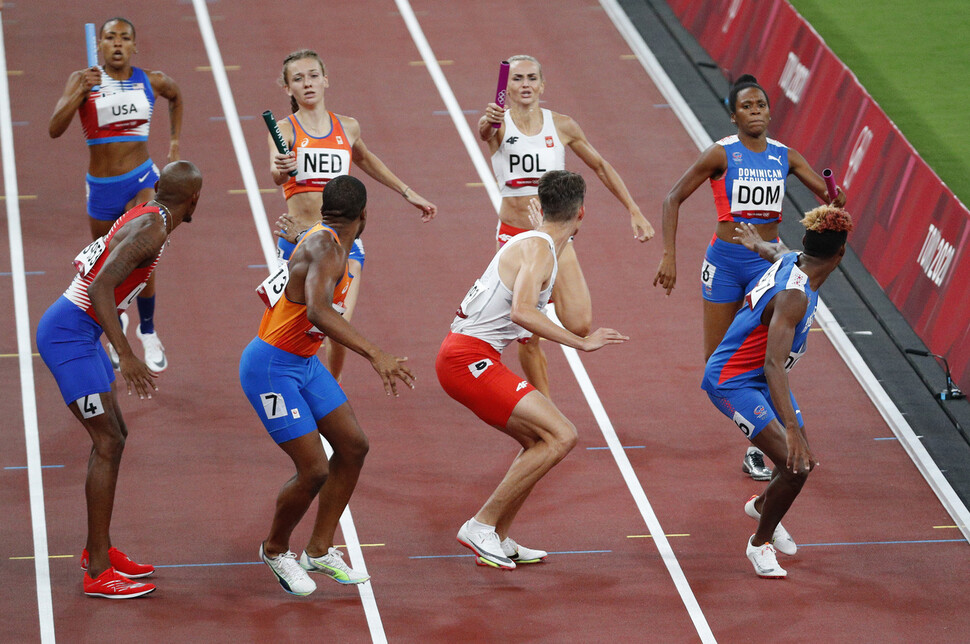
[471, 372]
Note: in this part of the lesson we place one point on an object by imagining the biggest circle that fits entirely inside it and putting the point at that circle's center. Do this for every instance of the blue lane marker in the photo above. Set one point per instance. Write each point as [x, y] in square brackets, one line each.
[257, 266]
[892, 438]
[881, 543]
[23, 467]
[624, 447]
[568, 552]
[25, 273]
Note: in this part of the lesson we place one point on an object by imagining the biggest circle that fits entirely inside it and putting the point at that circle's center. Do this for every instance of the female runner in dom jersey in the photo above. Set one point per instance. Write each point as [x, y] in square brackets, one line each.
[747, 172]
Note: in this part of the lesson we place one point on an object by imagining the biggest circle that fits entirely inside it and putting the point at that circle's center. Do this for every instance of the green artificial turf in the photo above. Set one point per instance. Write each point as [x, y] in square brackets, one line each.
[914, 59]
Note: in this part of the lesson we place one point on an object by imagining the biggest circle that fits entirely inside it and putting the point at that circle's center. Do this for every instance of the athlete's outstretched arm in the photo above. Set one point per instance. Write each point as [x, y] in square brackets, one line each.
[785, 313]
[375, 169]
[530, 266]
[323, 272]
[711, 164]
[578, 143]
[799, 167]
[748, 235]
[135, 244]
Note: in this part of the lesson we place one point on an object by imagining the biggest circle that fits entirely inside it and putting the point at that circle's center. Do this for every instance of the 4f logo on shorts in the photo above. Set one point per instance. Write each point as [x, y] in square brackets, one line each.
[478, 368]
[522, 385]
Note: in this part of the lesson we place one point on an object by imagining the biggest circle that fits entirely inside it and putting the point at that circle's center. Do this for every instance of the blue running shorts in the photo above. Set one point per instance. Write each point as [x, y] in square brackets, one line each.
[68, 340]
[750, 407]
[108, 197]
[290, 393]
[729, 270]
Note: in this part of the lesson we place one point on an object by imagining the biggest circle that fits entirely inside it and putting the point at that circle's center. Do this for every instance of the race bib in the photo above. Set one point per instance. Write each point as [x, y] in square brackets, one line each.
[471, 303]
[745, 425]
[764, 285]
[88, 257]
[747, 195]
[707, 273]
[273, 405]
[125, 303]
[317, 166]
[316, 334]
[478, 368]
[122, 110]
[90, 405]
[271, 289]
[793, 358]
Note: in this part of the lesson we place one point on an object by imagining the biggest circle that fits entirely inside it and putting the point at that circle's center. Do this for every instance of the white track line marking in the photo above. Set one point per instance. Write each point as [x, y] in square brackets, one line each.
[368, 600]
[38, 518]
[927, 467]
[629, 476]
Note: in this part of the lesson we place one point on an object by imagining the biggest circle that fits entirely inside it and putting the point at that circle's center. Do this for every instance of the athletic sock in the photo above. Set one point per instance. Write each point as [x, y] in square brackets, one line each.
[752, 449]
[146, 313]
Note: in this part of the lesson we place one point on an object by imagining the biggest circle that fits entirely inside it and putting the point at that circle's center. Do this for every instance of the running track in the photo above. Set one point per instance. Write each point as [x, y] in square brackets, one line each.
[199, 480]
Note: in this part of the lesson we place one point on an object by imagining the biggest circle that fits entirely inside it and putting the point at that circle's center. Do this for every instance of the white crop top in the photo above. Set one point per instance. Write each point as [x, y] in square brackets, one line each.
[521, 160]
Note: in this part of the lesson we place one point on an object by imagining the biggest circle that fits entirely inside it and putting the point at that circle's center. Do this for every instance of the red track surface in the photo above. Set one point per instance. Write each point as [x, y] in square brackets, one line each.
[200, 476]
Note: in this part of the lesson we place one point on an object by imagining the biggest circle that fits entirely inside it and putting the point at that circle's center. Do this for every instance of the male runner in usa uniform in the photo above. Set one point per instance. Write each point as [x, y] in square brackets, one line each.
[504, 305]
[747, 376]
[112, 271]
[299, 401]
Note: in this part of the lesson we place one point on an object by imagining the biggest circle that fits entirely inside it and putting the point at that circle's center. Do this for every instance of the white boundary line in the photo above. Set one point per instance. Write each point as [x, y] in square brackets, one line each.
[365, 589]
[38, 517]
[920, 457]
[629, 476]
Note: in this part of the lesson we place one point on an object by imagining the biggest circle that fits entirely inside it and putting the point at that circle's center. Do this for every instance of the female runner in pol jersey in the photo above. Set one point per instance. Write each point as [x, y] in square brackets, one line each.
[115, 103]
[323, 145]
[747, 172]
[528, 142]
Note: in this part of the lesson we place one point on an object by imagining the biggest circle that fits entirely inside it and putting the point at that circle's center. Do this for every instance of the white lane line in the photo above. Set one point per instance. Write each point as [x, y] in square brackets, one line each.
[837, 336]
[475, 152]
[38, 518]
[347, 526]
[639, 496]
[235, 131]
[444, 89]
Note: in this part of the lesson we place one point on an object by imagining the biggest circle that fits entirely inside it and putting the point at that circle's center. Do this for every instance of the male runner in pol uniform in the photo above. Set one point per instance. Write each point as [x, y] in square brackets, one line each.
[504, 305]
[112, 271]
[298, 400]
[747, 376]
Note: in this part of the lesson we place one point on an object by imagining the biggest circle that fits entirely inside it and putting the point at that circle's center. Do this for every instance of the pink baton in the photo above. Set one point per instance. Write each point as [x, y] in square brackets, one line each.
[503, 83]
[830, 184]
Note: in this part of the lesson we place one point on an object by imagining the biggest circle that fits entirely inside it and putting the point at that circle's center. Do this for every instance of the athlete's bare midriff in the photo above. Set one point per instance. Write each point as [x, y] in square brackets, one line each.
[726, 231]
[113, 159]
